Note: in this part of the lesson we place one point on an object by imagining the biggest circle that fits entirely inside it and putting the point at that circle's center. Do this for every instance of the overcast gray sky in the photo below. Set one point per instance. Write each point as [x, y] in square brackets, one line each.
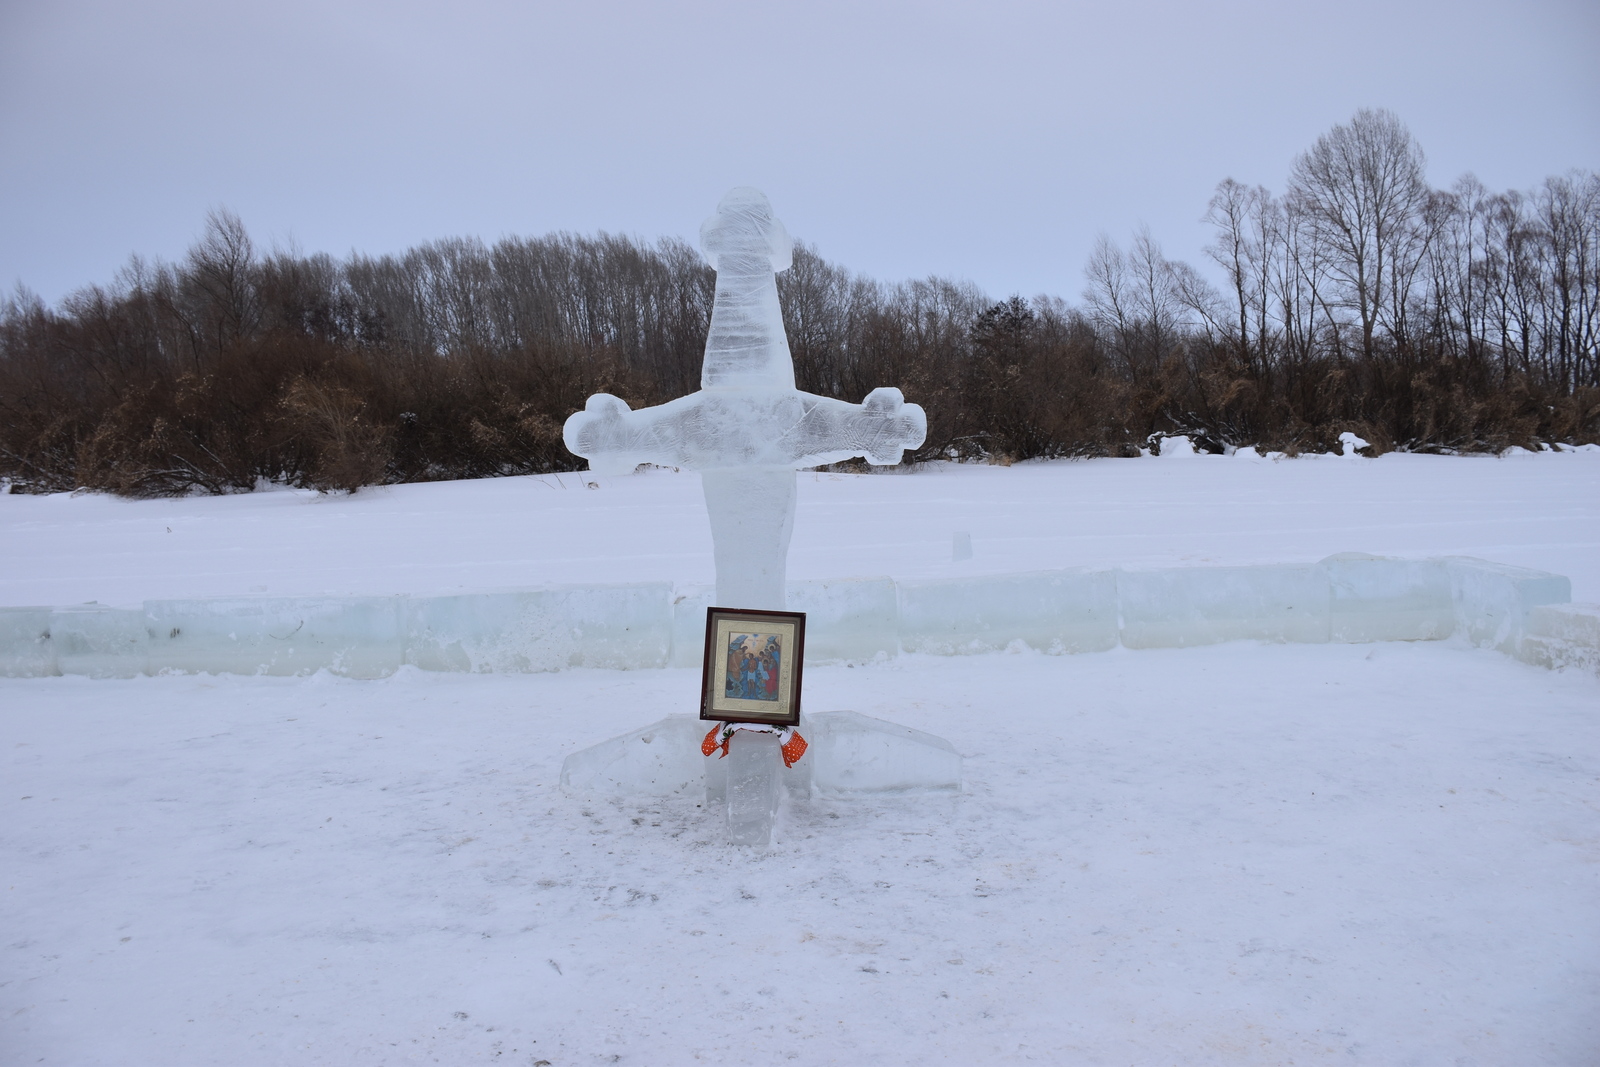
[989, 141]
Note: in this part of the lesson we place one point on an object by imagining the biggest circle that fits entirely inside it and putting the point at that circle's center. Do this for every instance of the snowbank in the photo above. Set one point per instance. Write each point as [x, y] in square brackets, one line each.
[1348, 598]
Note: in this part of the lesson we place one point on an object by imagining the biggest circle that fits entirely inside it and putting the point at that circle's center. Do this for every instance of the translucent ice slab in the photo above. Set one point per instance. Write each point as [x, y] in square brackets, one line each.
[661, 759]
[1052, 611]
[1372, 598]
[1187, 606]
[359, 637]
[26, 650]
[1492, 600]
[794, 782]
[1563, 635]
[847, 619]
[617, 626]
[754, 763]
[100, 642]
[854, 753]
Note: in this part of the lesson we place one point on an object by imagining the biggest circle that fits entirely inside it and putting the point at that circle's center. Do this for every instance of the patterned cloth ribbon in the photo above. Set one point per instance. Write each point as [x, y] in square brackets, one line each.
[790, 743]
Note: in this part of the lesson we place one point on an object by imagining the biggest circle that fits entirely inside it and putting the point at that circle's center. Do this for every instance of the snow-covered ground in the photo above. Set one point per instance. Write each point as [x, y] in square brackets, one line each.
[1382, 854]
[1241, 854]
[1540, 511]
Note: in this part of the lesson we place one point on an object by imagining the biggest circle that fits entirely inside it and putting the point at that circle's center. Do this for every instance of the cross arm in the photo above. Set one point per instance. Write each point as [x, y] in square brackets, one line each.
[615, 439]
[720, 428]
[880, 428]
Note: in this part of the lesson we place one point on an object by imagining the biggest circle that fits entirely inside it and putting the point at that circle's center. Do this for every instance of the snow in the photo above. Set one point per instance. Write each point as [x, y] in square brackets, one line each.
[1234, 855]
[1531, 510]
[1237, 854]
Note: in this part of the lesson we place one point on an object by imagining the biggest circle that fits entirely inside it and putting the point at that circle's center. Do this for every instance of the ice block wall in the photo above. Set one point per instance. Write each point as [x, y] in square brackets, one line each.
[1345, 598]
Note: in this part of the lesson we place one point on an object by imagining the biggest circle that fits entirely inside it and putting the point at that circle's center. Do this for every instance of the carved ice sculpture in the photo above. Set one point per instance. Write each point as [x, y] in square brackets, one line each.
[748, 429]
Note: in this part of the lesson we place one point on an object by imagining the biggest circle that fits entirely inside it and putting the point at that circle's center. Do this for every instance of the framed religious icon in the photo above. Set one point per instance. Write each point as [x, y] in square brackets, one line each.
[752, 666]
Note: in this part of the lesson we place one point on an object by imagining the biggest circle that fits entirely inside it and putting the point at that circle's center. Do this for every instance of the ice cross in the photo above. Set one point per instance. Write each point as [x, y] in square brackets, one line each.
[748, 429]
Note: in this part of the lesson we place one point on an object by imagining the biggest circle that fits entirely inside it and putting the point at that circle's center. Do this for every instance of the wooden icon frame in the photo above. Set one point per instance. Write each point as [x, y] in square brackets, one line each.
[788, 630]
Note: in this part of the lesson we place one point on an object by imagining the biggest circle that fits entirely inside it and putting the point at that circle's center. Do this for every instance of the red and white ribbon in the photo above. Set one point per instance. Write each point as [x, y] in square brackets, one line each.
[790, 743]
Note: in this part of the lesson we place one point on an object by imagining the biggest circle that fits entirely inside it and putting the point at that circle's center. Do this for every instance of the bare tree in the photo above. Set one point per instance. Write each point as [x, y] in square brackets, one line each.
[220, 280]
[1146, 304]
[1243, 217]
[1456, 261]
[816, 299]
[1362, 187]
[1159, 299]
[1111, 300]
[1568, 213]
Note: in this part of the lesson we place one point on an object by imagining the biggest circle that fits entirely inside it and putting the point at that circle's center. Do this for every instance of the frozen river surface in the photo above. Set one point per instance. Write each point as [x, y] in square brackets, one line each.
[1540, 511]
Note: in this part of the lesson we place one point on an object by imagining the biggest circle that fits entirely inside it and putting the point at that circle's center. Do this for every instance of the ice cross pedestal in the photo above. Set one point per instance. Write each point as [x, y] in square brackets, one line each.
[748, 429]
[746, 432]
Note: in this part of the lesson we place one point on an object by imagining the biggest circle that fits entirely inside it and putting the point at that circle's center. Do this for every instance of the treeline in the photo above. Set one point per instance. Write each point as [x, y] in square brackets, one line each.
[1359, 299]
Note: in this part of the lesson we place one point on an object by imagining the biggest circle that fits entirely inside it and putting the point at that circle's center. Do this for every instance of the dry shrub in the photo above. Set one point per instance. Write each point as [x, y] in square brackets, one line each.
[460, 361]
[346, 450]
